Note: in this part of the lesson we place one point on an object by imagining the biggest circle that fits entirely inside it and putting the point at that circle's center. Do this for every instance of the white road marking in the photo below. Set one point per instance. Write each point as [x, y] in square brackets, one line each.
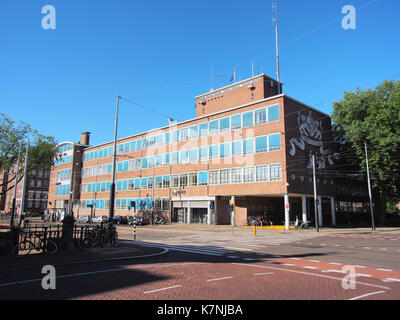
[367, 295]
[167, 288]
[363, 275]
[333, 270]
[381, 269]
[308, 267]
[391, 280]
[218, 279]
[309, 274]
[263, 273]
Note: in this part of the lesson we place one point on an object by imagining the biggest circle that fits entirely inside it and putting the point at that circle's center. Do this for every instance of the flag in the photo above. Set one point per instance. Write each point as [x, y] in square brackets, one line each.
[233, 75]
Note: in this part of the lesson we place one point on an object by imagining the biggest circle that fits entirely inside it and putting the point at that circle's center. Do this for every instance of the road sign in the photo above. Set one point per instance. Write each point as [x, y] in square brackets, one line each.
[317, 202]
[230, 208]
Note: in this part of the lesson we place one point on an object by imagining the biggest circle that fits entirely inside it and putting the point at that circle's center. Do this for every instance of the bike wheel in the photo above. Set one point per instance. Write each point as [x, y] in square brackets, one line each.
[6, 247]
[110, 241]
[85, 243]
[23, 248]
[50, 247]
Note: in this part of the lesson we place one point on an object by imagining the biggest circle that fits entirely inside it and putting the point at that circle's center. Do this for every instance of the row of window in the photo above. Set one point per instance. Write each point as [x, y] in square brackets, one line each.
[38, 183]
[63, 160]
[65, 147]
[63, 190]
[63, 175]
[238, 121]
[30, 204]
[37, 195]
[126, 204]
[261, 173]
[260, 144]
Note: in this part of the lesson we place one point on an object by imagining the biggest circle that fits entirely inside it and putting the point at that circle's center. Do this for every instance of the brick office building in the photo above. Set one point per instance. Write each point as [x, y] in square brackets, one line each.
[247, 145]
[65, 176]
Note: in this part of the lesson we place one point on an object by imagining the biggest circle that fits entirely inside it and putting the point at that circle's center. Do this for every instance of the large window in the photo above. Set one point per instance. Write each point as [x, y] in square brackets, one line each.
[159, 182]
[203, 178]
[225, 150]
[248, 174]
[224, 176]
[273, 113]
[274, 142]
[166, 182]
[183, 180]
[192, 179]
[261, 144]
[193, 156]
[213, 127]
[203, 154]
[193, 132]
[236, 148]
[247, 119]
[213, 152]
[260, 116]
[275, 172]
[262, 173]
[175, 180]
[203, 128]
[236, 122]
[214, 177]
[236, 175]
[184, 134]
[224, 124]
[248, 146]
[184, 156]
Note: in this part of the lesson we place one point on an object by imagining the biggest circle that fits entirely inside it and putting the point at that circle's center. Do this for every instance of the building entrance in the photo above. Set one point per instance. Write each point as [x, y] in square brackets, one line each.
[179, 215]
[199, 215]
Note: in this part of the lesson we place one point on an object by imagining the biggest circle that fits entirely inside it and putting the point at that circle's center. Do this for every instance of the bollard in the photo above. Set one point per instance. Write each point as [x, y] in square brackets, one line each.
[134, 231]
[255, 231]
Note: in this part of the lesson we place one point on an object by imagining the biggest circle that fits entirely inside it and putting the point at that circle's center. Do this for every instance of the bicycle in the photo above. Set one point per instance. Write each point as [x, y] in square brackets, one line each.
[109, 236]
[26, 246]
[6, 247]
[86, 239]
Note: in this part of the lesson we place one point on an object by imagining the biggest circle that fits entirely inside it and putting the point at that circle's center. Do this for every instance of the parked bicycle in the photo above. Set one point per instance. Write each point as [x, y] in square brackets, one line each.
[41, 244]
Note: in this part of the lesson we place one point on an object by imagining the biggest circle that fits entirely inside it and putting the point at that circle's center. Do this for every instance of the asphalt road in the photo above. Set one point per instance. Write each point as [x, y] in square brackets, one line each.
[211, 263]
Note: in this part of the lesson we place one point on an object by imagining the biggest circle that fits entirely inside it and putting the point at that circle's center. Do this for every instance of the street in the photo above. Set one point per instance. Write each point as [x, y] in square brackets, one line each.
[182, 262]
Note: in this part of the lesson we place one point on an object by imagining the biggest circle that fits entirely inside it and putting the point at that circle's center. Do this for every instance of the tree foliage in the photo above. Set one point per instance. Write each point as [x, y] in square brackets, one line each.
[14, 139]
[373, 116]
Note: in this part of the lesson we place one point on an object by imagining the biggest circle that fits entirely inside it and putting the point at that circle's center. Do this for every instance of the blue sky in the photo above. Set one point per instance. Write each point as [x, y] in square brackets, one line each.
[159, 53]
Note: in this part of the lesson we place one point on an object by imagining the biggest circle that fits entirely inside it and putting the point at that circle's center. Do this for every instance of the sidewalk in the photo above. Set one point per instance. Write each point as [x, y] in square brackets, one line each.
[76, 256]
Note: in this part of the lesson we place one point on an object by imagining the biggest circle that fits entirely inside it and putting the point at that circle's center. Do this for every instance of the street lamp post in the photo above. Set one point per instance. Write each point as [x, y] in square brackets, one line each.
[112, 187]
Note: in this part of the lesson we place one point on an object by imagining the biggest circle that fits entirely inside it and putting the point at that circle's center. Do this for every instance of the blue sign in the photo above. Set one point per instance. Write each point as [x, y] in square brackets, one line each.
[212, 206]
[317, 202]
[230, 208]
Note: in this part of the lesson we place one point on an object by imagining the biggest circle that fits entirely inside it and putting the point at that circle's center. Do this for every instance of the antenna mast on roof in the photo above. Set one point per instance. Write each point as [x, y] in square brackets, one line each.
[277, 45]
[211, 82]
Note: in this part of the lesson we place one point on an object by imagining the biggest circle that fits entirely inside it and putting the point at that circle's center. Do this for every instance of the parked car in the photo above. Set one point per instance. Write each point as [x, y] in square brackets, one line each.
[84, 219]
[138, 220]
[120, 220]
[100, 219]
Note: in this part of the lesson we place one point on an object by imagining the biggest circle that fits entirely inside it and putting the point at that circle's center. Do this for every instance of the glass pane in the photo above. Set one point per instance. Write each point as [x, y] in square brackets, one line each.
[248, 119]
[236, 122]
[273, 113]
[274, 142]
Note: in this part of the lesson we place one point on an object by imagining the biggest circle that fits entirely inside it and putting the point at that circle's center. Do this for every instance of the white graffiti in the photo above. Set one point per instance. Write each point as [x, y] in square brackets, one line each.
[311, 134]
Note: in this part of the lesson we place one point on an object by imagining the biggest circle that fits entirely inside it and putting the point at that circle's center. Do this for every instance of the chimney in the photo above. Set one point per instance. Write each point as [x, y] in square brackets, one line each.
[85, 137]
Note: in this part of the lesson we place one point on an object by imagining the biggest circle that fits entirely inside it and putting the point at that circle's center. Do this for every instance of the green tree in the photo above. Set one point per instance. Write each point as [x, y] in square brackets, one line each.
[373, 117]
[14, 137]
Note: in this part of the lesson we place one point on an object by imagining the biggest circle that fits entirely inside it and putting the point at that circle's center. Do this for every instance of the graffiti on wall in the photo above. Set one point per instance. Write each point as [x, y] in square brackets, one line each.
[311, 136]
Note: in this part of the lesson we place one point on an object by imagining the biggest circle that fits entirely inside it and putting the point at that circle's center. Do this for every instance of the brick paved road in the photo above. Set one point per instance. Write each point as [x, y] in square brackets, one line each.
[308, 268]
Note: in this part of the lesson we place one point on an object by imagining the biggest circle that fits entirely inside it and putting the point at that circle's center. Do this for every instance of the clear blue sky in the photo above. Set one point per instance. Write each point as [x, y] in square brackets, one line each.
[158, 53]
